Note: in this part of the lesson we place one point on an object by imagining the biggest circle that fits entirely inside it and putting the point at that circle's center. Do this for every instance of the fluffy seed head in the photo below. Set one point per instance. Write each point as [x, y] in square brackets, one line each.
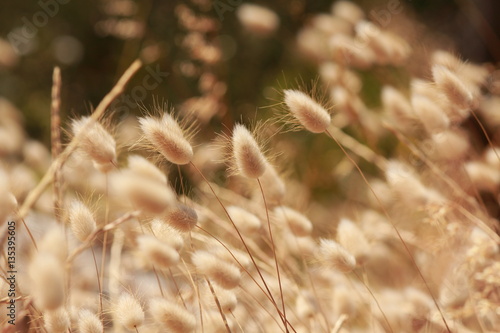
[249, 159]
[57, 321]
[166, 234]
[141, 192]
[336, 256]
[81, 220]
[299, 224]
[308, 112]
[96, 142]
[258, 19]
[246, 222]
[141, 166]
[348, 11]
[48, 281]
[167, 137]
[172, 316]
[430, 114]
[351, 237]
[451, 85]
[88, 322]
[398, 108]
[182, 218]
[129, 312]
[156, 252]
[223, 273]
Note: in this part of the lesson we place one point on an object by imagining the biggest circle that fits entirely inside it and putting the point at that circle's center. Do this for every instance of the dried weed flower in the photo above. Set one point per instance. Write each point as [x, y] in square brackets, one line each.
[88, 322]
[334, 255]
[96, 142]
[246, 222]
[249, 160]
[142, 192]
[47, 276]
[454, 88]
[258, 19]
[309, 113]
[223, 273]
[57, 321]
[81, 220]
[181, 217]
[348, 11]
[156, 252]
[172, 316]
[298, 224]
[129, 311]
[144, 168]
[166, 136]
[351, 237]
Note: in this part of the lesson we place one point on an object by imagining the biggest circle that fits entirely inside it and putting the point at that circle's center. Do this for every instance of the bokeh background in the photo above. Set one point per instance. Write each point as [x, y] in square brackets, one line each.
[94, 41]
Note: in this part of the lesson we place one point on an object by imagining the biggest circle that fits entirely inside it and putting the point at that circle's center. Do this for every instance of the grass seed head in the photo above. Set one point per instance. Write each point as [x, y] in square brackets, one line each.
[182, 218]
[172, 316]
[156, 252]
[88, 322]
[248, 157]
[308, 112]
[81, 220]
[57, 321]
[453, 87]
[96, 142]
[223, 273]
[298, 223]
[334, 255]
[129, 311]
[166, 136]
[246, 222]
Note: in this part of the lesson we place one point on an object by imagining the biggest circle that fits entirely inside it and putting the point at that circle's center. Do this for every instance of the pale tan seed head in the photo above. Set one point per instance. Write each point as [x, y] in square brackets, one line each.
[96, 142]
[181, 217]
[57, 320]
[166, 136]
[298, 223]
[453, 87]
[226, 275]
[47, 277]
[172, 316]
[81, 220]
[350, 52]
[398, 109]
[141, 166]
[307, 111]
[166, 234]
[258, 19]
[352, 238]
[88, 322]
[431, 115]
[129, 312]
[141, 192]
[246, 222]
[157, 253]
[348, 11]
[249, 160]
[334, 255]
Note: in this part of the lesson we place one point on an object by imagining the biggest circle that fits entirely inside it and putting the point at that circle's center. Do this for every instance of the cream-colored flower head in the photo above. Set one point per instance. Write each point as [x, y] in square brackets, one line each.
[309, 113]
[249, 160]
[166, 136]
[96, 142]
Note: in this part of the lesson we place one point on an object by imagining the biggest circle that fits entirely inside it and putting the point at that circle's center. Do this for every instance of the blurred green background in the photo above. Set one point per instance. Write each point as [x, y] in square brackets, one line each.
[92, 59]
